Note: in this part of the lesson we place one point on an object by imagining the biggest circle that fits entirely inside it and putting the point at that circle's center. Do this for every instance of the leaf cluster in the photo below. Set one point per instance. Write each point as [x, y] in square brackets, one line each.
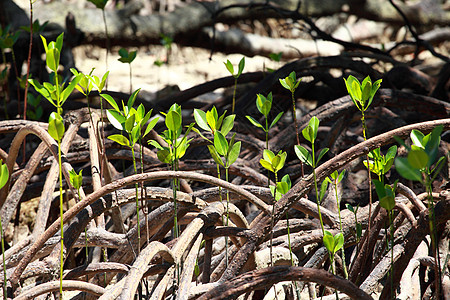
[310, 134]
[362, 93]
[230, 67]
[264, 105]
[290, 82]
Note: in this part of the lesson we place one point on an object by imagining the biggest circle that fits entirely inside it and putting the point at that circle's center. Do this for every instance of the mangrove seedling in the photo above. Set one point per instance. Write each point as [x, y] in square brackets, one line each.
[127, 58]
[310, 134]
[264, 105]
[236, 75]
[421, 164]
[4, 176]
[291, 83]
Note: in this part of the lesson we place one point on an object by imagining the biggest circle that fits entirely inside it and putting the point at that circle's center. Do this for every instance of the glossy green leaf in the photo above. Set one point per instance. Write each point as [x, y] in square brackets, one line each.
[229, 67]
[155, 144]
[323, 189]
[129, 123]
[173, 121]
[200, 119]
[267, 165]
[215, 155]
[255, 123]
[150, 126]
[120, 139]
[417, 138]
[321, 154]
[350, 208]
[234, 153]
[338, 242]
[268, 155]
[76, 179]
[303, 154]
[406, 170]
[277, 118]
[220, 143]
[69, 89]
[418, 159]
[111, 101]
[4, 174]
[308, 134]
[116, 119]
[56, 126]
[227, 124]
[241, 66]
[211, 119]
[328, 241]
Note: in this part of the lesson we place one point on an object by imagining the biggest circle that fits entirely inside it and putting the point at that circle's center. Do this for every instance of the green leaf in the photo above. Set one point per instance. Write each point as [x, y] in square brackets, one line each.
[314, 124]
[323, 189]
[227, 124]
[418, 159]
[379, 187]
[417, 138]
[111, 101]
[234, 153]
[229, 67]
[255, 123]
[155, 144]
[358, 230]
[392, 151]
[308, 134]
[56, 126]
[132, 99]
[303, 154]
[328, 241]
[120, 139]
[406, 170]
[321, 154]
[215, 155]
[150, 126]
[350, 208]
[220, 143]
[241, 66]
[280, 164]
[4, 174]
[173, 121]
[266, 165]
[76, 179]
[268, 155]
[42, 90]
[200, 119]
[277, 118]
[129, 123]
[116, 119]
[285, 84]
[211, 118]
[338, 242]
[69, 89]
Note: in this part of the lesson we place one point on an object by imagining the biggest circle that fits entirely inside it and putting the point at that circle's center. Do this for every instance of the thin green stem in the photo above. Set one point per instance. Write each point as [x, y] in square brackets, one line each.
[61, 213]
[137, 203]
[228, 217]
[316, 189]
[234, 95]
[4, 261]
[294, 117]
[107, 41]
[340, 225]
[391, 227]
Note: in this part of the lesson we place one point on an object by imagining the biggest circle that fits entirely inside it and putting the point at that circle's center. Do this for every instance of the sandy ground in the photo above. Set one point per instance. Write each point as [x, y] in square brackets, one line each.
[187, 66]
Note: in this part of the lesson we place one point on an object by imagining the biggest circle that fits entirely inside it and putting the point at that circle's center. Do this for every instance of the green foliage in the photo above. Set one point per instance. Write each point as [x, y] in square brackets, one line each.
[126, 57]
[380, 164]
[283, 187]
[166, 41]
[362, 93]
[4, 174]
[56, 126]
[76, 179]
[386, 194]
[310, 134]
[8, 39]
[421, 156]
[37, 27]
[272, 162]
[34, 102]
[264, 105]
[290, 82]
[99, 3]
[358, 226]
[333, 243]
[230, 67]
[176, 144]
[276, 56]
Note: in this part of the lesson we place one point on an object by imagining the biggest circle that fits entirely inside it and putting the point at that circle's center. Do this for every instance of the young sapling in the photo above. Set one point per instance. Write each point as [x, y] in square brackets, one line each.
[127, 58]
[236, 75]
[291, 83]
[4, 176]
